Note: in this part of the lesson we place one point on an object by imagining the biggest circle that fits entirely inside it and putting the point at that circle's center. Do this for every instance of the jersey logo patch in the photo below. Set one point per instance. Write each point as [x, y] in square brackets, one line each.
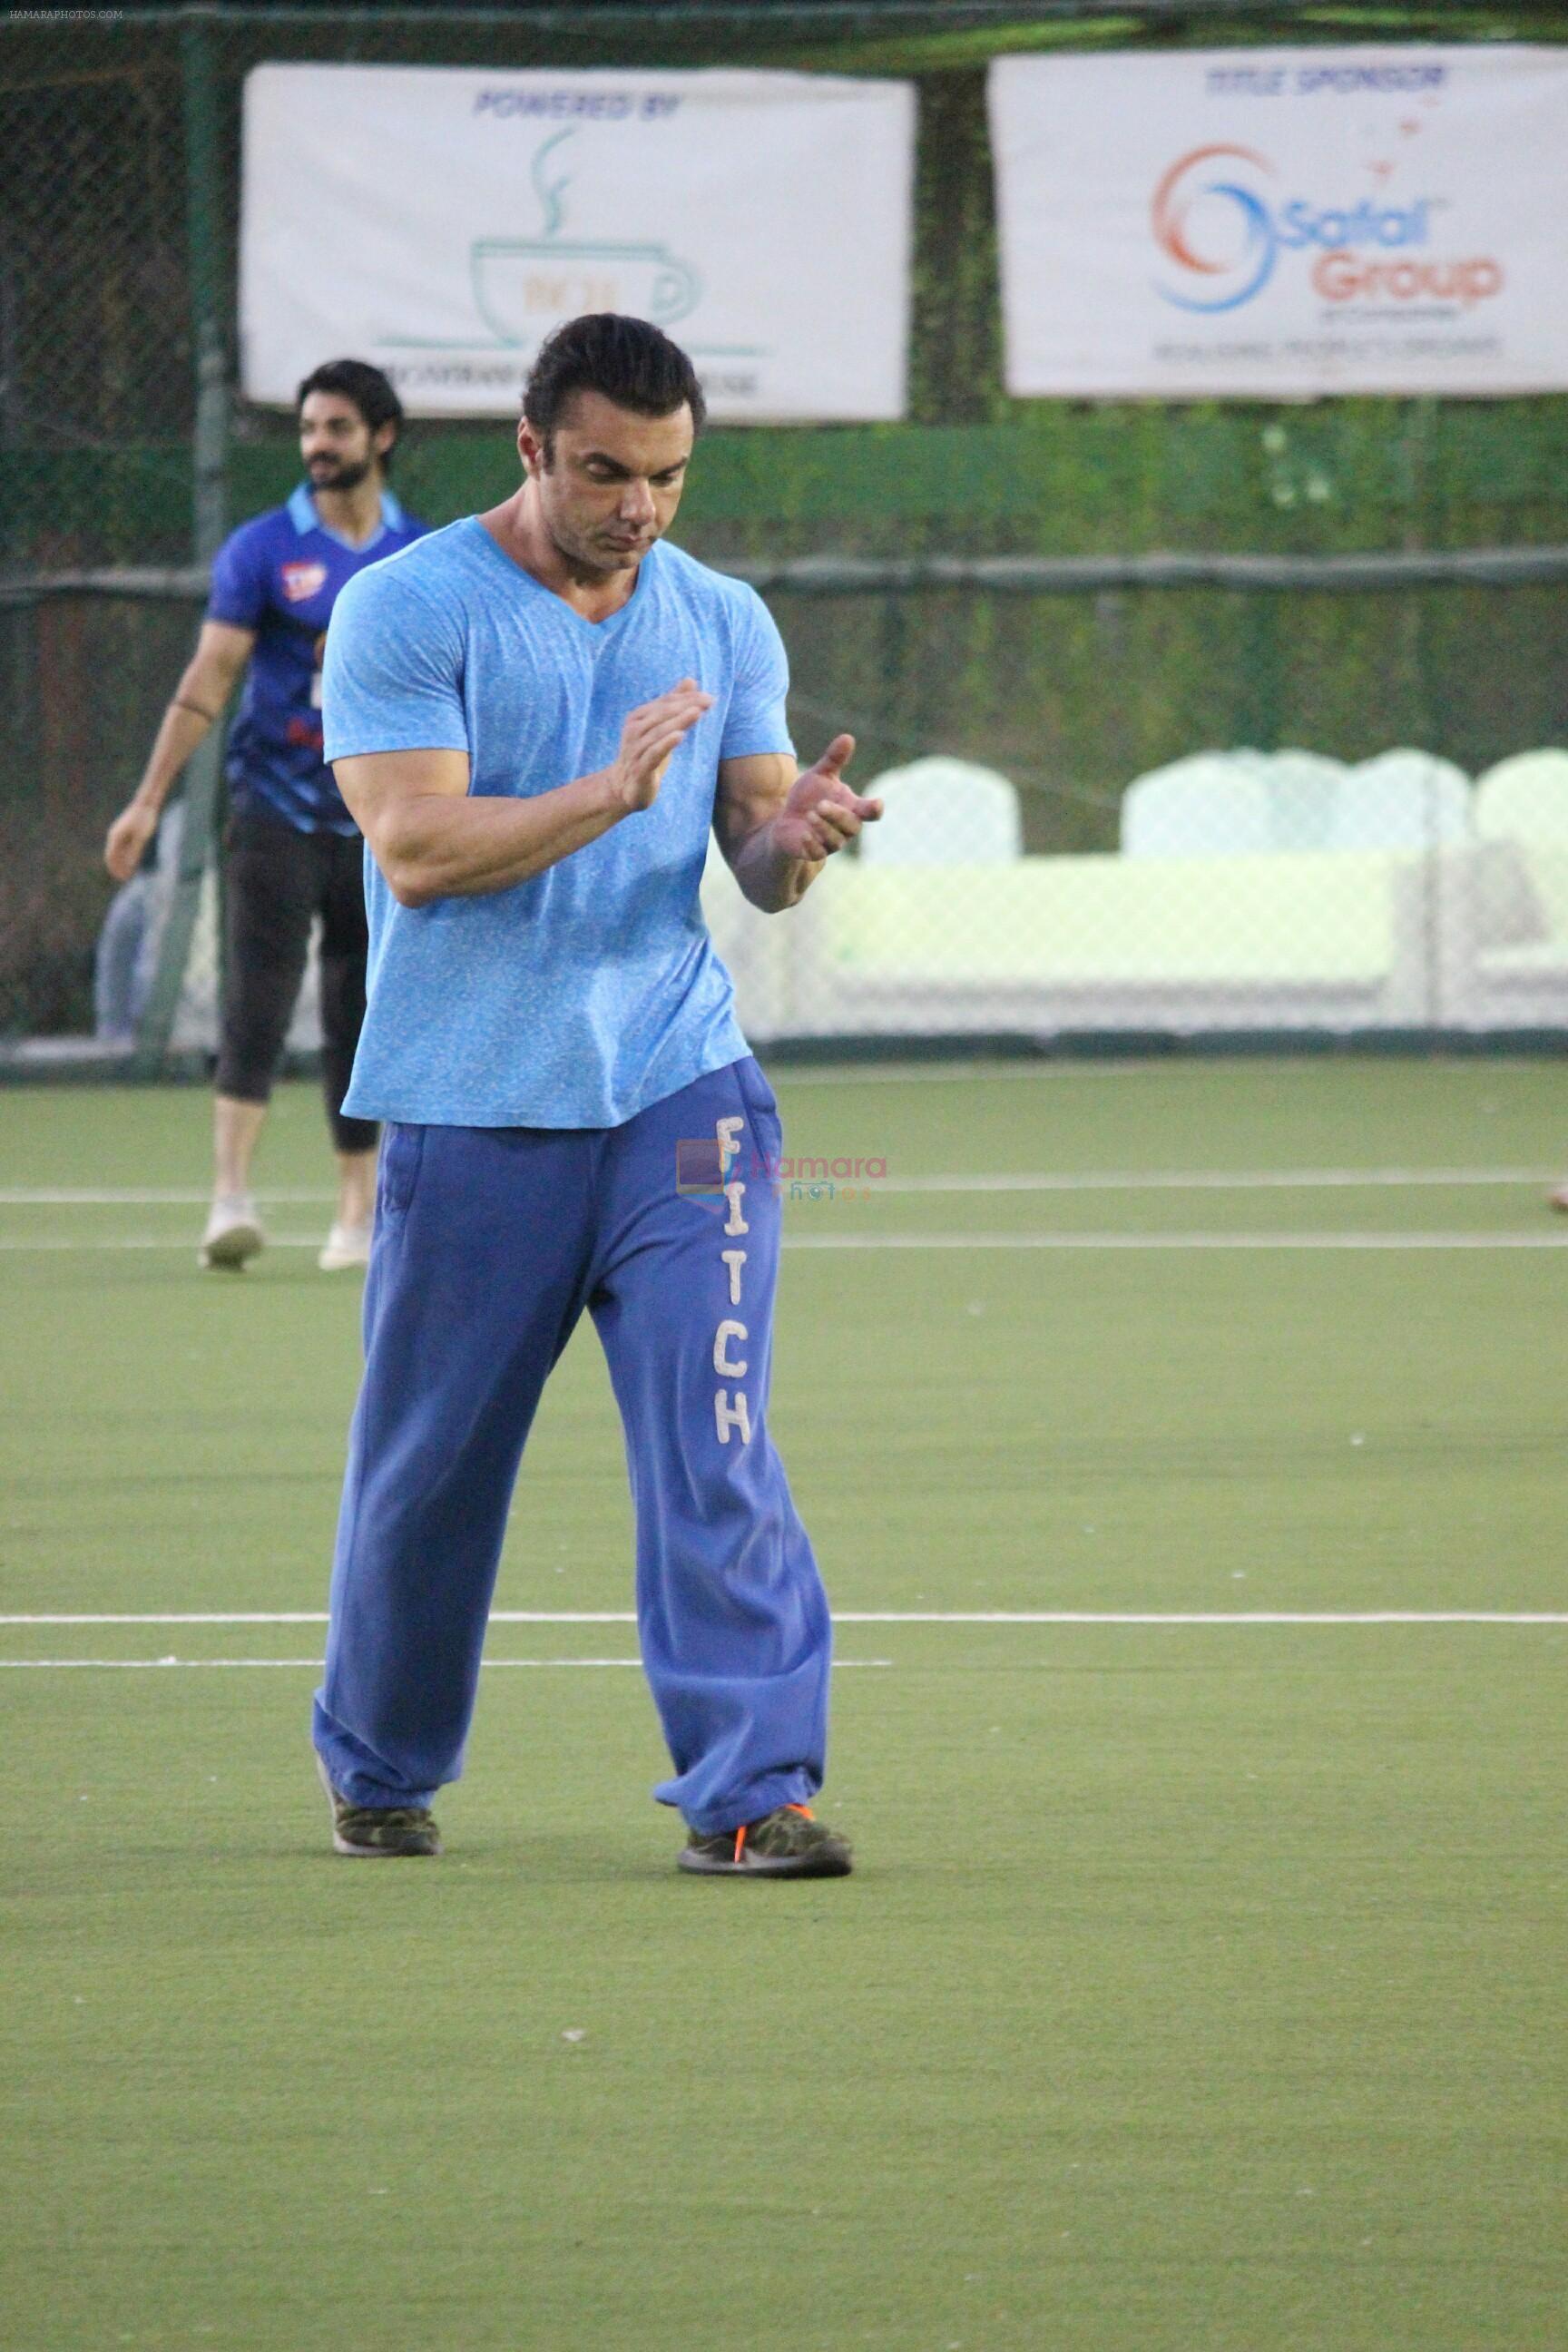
[302, 579]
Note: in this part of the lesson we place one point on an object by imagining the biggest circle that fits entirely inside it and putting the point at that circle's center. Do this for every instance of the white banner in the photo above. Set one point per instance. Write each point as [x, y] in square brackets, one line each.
[440, 221]
[1282, 223]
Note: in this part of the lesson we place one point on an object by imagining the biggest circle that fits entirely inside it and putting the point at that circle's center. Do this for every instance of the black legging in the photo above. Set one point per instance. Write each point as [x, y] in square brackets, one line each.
[275, 881]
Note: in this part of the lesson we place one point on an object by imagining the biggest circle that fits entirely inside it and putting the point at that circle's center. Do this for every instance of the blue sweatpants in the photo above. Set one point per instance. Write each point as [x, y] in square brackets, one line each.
[490, 1242]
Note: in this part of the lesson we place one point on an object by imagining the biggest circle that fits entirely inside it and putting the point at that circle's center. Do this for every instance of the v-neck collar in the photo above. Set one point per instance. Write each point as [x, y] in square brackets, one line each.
[302, 514]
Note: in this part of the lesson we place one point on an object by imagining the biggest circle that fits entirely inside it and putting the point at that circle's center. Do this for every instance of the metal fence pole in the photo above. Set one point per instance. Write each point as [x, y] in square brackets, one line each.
[204, 772]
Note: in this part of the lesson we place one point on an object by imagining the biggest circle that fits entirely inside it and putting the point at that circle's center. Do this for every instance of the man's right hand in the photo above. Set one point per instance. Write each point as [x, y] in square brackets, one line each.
[649, 741]
[127, 839]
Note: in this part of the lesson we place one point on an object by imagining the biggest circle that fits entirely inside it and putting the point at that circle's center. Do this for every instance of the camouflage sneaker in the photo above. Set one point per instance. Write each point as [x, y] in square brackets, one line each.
[788, 1844]
[378, 1833]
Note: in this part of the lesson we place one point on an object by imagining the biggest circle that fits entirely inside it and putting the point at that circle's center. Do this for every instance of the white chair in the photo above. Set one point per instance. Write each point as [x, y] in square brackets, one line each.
[1211, 805]
[1403, 801]
[1524, 799]
[943, 812]
[1303, 790]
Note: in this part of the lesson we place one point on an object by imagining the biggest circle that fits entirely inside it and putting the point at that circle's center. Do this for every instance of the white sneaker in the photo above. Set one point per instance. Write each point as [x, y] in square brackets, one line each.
[348, 1248]
[234, 1234]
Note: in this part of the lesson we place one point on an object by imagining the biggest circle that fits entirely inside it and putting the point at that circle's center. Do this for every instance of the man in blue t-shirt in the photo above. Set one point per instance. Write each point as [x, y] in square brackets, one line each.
[538, 716]
[292, 852]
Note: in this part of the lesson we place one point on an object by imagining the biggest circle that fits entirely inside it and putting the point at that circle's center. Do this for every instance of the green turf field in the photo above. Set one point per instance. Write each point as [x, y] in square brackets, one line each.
[1199, 1990]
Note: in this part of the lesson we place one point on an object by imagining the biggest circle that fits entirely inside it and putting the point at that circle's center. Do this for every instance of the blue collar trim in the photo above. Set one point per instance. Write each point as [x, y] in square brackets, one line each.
[302, 514]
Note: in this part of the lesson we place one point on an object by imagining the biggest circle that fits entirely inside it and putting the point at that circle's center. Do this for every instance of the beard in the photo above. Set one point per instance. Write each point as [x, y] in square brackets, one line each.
[338, 473]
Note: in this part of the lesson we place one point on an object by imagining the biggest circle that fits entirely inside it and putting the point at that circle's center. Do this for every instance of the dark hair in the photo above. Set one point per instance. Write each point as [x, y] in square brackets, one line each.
[630, 362]
[368, 389]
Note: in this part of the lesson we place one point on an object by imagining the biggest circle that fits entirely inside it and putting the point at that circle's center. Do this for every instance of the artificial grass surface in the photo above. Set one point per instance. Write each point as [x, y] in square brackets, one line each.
[1198, 1987]
[1190, 1993]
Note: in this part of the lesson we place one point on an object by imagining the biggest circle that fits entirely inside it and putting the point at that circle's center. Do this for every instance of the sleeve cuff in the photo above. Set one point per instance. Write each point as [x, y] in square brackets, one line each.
[746, 750]
[357, 748]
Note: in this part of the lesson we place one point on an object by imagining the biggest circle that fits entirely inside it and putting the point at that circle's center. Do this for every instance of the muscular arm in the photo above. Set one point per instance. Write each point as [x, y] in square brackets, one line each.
[210, 677]
[432, 841]
[777, 825]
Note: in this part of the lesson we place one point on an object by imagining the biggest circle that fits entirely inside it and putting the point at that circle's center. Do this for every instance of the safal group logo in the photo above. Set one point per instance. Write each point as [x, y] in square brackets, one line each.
[1224, 233]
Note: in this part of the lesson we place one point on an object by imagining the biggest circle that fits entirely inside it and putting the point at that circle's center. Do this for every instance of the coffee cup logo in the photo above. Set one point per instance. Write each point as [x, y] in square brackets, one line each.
[525, 286]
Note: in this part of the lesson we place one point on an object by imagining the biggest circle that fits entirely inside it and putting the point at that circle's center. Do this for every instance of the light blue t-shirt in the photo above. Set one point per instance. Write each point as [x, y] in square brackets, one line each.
[578, 998]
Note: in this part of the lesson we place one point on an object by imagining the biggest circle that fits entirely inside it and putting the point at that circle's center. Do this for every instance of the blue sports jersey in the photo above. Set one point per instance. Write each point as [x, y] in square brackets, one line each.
[281, 575]
[577, 998]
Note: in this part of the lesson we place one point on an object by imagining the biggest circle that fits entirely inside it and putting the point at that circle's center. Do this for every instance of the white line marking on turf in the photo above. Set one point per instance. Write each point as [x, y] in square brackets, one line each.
[1193, 1180]
[314, 1664]
[1159, 1241]
[61, 1665]
[1059, 1241]
[1208, 1617]
[1222, 1180]
[259, 1617]
[890, 1617]
[1215, 1180]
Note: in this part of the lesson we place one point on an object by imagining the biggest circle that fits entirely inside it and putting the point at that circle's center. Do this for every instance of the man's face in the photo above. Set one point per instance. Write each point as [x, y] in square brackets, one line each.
[612, 479]
[336, 444]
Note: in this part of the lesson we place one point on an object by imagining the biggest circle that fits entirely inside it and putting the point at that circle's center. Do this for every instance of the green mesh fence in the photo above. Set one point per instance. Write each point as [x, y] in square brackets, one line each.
[124, 450]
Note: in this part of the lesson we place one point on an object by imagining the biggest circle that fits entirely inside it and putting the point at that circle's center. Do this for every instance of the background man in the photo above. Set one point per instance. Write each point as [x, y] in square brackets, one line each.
[537, 715]
[291, 849]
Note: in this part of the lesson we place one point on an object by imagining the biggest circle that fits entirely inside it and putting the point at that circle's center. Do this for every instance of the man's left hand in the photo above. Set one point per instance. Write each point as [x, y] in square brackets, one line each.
[822, 812]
